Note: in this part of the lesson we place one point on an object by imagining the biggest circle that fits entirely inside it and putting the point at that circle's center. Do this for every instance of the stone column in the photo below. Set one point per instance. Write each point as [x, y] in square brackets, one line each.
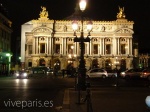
[114, 46]
[103, 44]
[128, 46]
[99, 47]
[50, 45]
[131, 46]
[33, 47]
[118, 44]
[62, 46]
[37, 46]
[65, 42]
[47, 45]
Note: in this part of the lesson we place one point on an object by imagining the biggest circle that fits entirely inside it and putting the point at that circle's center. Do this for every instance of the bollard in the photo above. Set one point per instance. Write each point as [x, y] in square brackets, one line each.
[89, 103]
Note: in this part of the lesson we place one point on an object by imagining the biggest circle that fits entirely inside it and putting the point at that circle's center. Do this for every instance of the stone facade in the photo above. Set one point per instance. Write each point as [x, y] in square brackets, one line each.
[46, 42]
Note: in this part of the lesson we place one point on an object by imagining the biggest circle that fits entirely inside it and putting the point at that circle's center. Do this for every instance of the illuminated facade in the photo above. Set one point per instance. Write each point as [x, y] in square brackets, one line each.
[144, 60]
[46, 42]
[5, 42]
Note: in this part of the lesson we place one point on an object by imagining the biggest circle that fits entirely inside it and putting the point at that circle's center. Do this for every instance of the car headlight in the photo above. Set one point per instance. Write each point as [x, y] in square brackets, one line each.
[17, 74]
[123, 73]
[25, 74]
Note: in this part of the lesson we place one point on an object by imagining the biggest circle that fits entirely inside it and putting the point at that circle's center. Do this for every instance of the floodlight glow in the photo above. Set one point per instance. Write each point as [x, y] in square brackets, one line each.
[7, 54]
[82, 5]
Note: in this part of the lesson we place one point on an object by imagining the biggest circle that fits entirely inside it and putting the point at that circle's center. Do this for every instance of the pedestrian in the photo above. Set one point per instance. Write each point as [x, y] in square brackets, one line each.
[72, 70]
[118, 77]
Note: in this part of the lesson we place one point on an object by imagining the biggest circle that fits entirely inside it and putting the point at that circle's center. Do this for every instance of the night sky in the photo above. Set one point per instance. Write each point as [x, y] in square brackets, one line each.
[22, 11]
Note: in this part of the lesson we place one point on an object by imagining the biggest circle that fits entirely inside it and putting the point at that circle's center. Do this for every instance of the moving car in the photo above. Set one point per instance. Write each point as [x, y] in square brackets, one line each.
[21, 74]
[96, 72]
[131, 73]
[111, 73]
[146, 74]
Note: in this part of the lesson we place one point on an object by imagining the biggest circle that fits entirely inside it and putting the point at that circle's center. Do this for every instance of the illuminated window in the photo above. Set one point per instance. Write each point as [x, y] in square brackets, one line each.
[70, 49]
[57, 48]
[108, 49]
[95, 48]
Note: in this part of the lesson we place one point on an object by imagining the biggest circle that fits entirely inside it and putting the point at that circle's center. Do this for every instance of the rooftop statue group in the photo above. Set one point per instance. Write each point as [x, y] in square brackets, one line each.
[121, 13]
[43, 13]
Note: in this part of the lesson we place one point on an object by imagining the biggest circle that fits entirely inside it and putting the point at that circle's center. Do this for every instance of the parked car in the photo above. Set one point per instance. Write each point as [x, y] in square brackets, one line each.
[50, 72]
[21, 74]
[96, 72]
[39, 70]
[146, 74]
[131, 73]
[111, 73]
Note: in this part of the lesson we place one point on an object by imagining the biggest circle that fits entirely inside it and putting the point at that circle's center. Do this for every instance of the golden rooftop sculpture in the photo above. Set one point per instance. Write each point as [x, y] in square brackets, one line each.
[43, 13]
[121, 14]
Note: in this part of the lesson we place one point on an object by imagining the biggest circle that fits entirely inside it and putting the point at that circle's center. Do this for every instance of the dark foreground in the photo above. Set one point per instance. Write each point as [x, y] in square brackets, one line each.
[57, 94]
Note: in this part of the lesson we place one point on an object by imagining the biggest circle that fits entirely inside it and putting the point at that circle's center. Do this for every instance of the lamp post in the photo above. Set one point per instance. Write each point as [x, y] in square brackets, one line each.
[81, 40]
[9, 61]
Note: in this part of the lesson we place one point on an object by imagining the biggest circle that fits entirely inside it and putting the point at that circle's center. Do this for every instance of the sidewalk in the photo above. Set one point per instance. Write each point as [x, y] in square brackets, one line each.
[5, 77]
[108, 99]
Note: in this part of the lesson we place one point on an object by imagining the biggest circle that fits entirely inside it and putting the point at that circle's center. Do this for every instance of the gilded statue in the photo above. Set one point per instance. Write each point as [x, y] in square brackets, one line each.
[43, 13]
[121, 13]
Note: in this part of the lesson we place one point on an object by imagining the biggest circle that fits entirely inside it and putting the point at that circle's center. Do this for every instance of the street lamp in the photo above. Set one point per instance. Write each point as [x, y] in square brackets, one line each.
[9, 61]
[81, 40]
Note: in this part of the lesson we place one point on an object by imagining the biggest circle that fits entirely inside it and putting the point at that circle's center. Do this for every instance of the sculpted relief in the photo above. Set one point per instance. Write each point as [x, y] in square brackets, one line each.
[125, 30]
[102, 28]
[42, 30]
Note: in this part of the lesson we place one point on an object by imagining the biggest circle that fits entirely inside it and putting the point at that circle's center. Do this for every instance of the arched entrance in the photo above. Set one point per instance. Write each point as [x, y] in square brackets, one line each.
[57, 65]
[42, 62]
[123, 64]
[95, 63]
[108, 64]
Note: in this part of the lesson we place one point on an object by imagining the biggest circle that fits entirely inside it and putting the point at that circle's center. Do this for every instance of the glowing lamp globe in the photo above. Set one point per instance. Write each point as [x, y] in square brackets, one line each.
[147, 101]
